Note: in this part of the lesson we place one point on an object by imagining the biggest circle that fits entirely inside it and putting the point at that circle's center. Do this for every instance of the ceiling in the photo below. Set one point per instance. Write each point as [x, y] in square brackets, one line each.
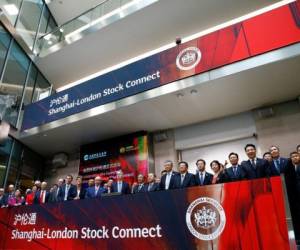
[150, 28]
[257, 87]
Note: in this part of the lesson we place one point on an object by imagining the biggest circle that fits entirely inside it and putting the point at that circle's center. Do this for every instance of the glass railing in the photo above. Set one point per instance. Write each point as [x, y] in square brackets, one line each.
[90, 21]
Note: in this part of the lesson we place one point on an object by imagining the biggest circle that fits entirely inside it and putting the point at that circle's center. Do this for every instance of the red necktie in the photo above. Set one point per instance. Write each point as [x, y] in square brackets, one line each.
[42, 196]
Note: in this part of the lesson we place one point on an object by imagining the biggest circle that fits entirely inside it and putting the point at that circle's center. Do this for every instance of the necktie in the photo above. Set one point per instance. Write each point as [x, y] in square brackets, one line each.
[150, 186]
[119, 187]
[139, 187]
[201, 178]
[42, 198]
[234, 170]
[277, 165]
[96, 190]
[66, 192]
[253, 164]
[182, 178]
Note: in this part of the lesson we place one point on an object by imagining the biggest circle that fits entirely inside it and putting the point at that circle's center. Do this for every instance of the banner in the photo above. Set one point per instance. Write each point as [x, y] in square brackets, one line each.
[242, 215]
[240, 41]
[127, 153]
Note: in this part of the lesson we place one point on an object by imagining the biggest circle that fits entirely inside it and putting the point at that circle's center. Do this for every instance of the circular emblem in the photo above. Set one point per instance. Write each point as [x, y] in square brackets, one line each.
[205, 218]
[188, 58]
[122, 150]
[85, 157]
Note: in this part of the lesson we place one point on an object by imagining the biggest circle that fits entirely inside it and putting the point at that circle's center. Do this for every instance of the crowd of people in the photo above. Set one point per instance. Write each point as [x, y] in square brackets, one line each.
[272, 164]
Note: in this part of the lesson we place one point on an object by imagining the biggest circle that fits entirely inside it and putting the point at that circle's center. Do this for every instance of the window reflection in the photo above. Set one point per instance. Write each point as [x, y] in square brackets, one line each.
[13, 82]
[11, 9]
[28, 21]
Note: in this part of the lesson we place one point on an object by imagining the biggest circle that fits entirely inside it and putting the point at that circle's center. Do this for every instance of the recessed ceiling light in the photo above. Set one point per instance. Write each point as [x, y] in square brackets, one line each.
[11, 9]
[50, 42]
[61, 30]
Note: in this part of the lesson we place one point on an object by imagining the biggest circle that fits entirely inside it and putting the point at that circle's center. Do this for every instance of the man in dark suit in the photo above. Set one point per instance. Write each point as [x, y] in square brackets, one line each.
[278, 163]
[255, 167]
[68, 191]
[235, 172]
[42, 195]
[292, 179]
[151, 186]
[80, 194]
[95, 191]
[120, 186]
[169, 179]
[60, 184]
[140, 186]
[53, 194]
[3, 198]
[185, 179]
[202, 177]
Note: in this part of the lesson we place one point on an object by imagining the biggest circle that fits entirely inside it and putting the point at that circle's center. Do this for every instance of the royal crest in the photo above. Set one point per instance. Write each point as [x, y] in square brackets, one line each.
[205, 218]
[188, 58]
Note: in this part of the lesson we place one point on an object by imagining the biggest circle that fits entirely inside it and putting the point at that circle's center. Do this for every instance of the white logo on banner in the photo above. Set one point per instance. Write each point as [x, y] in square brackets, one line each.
[205, 218]
[188, 58]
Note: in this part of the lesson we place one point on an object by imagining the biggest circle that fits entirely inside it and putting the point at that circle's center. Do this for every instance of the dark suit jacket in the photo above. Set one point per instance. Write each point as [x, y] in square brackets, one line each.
[230, 176]
[82, 193]
[91, 192]
[53, 197]
[283, 164]
[173, 181]
[188, 181]
[137, 190]
[292, 179]
[125, 188]
[262, 169]
[154, 187]
[37, 197]
[3, 200]
[72, 193]
[207, 179]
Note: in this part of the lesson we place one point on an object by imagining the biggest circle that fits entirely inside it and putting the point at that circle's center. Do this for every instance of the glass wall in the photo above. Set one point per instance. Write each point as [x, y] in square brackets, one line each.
[5, 149]
[21, 83]
[20, 80]
[20, 164]
[14, 77]
[31, 18]
[28, 21]
[11, 9]
[4, 44]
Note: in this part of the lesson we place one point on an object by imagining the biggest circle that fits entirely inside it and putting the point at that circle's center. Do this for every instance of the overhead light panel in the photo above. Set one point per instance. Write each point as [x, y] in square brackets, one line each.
[11, 9]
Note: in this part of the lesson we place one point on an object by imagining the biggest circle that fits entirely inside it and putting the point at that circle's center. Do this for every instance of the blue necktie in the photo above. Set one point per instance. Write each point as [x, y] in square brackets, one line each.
[201, 178]
[277, 164]
[234, 170]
